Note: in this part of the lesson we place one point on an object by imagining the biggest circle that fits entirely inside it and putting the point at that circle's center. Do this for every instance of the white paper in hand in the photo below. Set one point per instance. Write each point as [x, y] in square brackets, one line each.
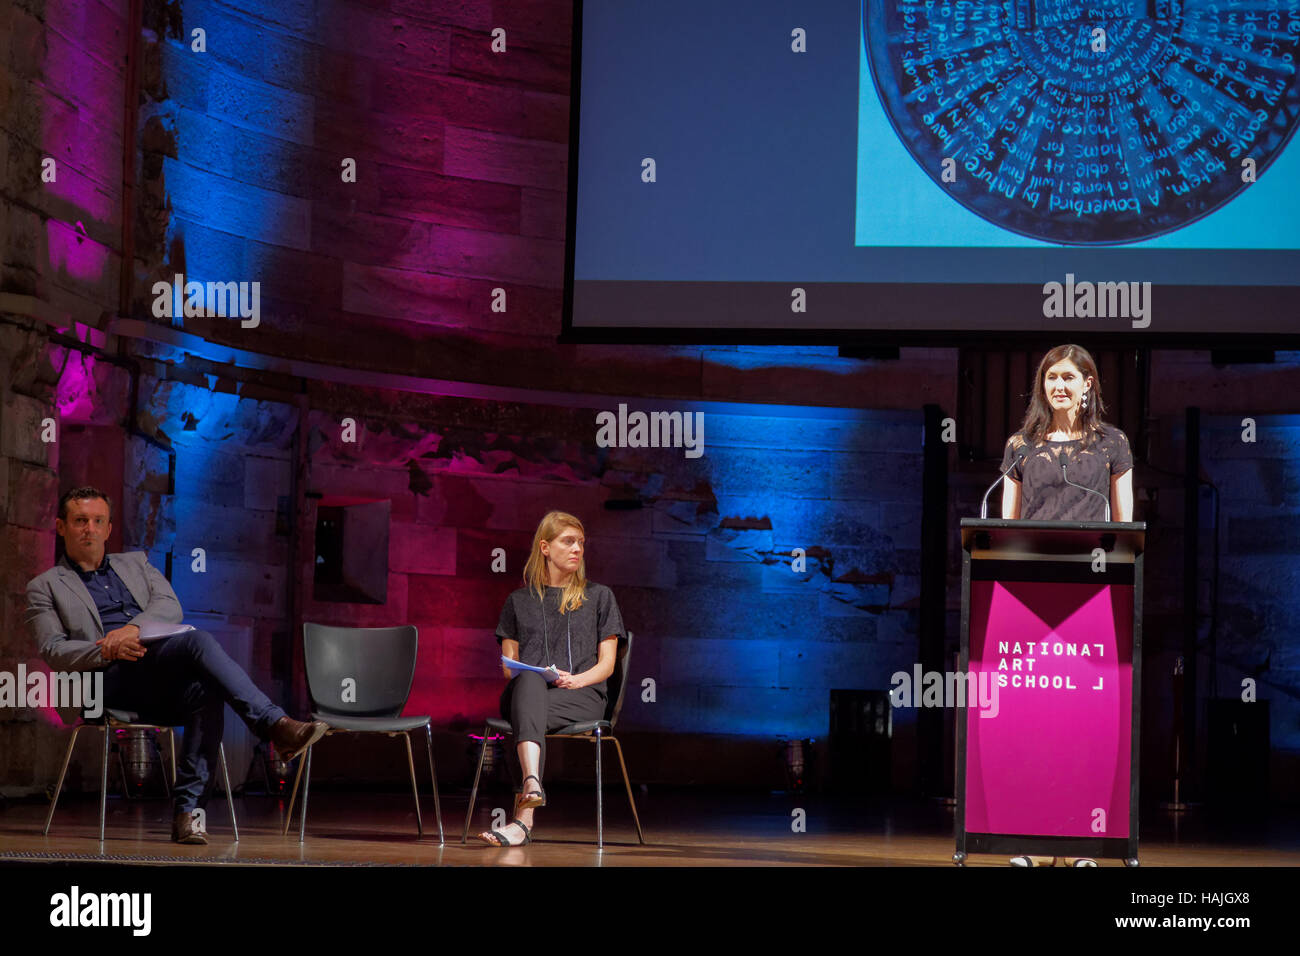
[552, 673]
[157, 632]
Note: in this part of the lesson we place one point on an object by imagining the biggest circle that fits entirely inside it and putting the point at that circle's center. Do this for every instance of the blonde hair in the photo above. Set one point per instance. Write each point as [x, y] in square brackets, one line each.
[535, 577]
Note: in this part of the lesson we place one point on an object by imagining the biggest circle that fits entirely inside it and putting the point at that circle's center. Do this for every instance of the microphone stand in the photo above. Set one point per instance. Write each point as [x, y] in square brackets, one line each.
[1085, 488]
[984, 503]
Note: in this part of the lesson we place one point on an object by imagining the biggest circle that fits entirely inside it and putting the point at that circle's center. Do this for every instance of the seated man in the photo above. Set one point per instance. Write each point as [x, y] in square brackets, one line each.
[87, 612]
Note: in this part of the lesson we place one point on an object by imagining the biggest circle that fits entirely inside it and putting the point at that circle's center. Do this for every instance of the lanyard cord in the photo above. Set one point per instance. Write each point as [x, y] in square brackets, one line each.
[568, 618]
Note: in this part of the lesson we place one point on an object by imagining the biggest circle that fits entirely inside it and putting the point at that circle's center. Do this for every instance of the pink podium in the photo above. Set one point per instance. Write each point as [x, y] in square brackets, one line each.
[1051, 618]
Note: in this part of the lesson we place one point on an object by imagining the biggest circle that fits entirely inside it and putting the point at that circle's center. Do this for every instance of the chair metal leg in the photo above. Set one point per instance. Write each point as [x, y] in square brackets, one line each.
[162, 765]
[306, 788]
[600, 816]
[415, 789]
[103, 783]
[433, 776]
[63, 772]
[171, 737]
[627, 783]
[230, 798]
[121, 769]
[469, 813]
[293, 796]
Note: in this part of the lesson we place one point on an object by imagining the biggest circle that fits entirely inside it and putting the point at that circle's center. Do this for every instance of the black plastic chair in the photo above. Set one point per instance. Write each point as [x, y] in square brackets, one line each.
[597, 731]
[128, 720]
[381, 663]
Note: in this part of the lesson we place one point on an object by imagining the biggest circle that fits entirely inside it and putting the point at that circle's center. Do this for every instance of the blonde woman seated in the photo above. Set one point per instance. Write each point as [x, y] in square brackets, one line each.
[558, 620]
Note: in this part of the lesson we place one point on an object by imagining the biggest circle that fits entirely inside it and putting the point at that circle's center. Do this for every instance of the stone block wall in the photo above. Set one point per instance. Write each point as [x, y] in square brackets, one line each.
[460, 190]
[700, 533]
[28, 479]
[61, 92]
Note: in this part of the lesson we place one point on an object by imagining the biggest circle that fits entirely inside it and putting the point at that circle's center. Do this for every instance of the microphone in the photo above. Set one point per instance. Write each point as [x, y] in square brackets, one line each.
[1021, 452]
[1085, 488]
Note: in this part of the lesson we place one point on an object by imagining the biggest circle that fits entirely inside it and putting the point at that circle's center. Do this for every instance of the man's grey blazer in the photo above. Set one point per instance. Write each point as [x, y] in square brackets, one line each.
[66, 622]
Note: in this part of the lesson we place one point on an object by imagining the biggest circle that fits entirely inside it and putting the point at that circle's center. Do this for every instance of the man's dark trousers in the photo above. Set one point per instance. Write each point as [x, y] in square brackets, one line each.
[188, 680]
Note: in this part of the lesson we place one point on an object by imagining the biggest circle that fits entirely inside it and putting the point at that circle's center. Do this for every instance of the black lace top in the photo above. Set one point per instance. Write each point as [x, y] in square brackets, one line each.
[1044, 495]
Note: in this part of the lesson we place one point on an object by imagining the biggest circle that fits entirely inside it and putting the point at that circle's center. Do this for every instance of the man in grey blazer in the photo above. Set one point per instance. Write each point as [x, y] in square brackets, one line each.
[87, 613]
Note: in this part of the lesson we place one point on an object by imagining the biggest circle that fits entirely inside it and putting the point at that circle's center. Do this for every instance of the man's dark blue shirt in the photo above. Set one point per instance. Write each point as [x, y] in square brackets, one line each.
[112, 598]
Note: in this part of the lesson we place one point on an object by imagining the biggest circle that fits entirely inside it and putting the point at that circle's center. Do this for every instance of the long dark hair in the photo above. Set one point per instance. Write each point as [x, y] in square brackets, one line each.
[1038, 418]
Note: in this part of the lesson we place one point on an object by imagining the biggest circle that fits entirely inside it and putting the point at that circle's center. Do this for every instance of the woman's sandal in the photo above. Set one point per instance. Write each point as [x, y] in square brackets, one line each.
[501, 839]
[530, 798]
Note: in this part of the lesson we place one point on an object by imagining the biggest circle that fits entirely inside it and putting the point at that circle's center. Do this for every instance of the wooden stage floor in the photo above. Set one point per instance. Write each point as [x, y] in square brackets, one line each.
[683, 828]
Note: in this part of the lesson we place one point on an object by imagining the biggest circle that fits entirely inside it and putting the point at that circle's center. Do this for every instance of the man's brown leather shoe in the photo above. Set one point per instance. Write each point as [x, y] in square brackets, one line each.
[291, 737]
[187, 827]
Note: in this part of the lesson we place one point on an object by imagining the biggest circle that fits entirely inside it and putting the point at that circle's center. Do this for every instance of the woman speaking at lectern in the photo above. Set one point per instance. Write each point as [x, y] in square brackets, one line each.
[1062, 444]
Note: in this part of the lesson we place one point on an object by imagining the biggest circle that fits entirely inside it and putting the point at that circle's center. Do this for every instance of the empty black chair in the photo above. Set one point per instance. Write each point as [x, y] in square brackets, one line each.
[127, 720]
[597, 731]
[359, 679]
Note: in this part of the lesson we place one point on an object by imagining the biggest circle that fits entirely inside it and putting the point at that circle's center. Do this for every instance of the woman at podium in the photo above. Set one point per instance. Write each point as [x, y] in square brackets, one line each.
[1065, 463]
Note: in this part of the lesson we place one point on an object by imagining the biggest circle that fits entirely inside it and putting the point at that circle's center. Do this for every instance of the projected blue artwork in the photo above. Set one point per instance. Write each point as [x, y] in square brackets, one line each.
[1088, 123]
